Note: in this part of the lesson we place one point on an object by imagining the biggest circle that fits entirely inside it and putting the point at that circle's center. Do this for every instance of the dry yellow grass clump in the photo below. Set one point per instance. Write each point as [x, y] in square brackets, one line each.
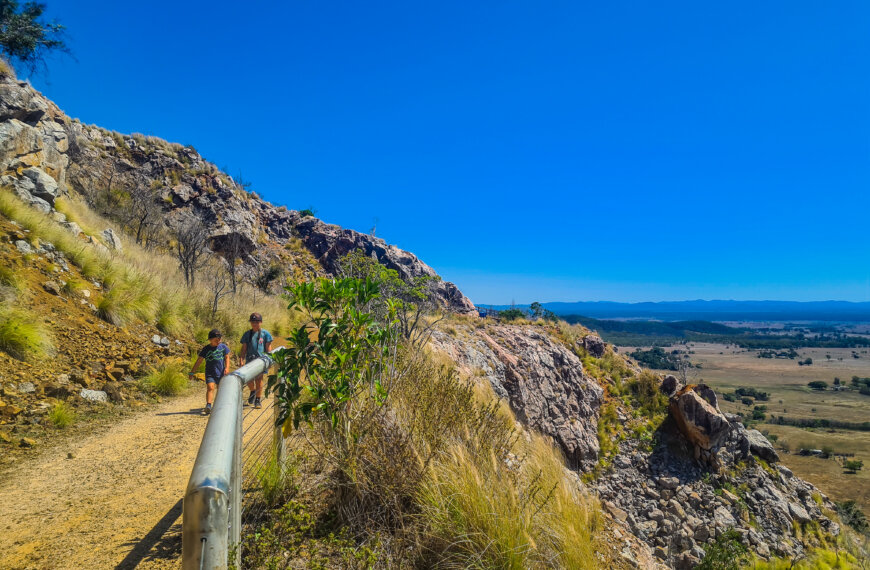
[141, 285]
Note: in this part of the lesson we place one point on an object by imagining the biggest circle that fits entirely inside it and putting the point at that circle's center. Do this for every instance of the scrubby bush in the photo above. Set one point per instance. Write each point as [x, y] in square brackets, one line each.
[819, 385]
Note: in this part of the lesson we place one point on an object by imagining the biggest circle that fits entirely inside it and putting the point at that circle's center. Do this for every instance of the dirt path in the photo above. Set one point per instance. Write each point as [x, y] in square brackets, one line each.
[115, 504]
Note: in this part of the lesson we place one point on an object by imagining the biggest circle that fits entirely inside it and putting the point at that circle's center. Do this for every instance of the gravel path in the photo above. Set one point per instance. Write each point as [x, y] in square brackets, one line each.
[115, 504]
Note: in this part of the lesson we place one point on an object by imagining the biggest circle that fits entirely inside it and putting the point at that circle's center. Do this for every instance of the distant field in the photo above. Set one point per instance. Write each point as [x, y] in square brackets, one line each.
[726, 367]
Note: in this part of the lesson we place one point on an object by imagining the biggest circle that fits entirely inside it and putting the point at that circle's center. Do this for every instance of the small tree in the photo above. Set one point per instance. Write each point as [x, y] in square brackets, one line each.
[413, 300]
[217, 282]
[142, 213]
[853, 465]
[25, 37]
[536, 310]
[232, 250]
[191, 246]
[819, 385]
[323, 374]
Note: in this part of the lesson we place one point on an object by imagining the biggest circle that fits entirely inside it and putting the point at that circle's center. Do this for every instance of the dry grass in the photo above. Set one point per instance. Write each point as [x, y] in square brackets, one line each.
[140, 284]
[21, 337]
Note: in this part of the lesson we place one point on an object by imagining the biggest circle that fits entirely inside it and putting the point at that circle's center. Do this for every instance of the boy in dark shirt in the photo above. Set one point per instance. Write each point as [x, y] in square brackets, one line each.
[256, 342]
[217, 365]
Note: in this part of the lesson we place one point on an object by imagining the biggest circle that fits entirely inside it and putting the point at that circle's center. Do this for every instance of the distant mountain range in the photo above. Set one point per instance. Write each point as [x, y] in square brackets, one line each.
[713, 310]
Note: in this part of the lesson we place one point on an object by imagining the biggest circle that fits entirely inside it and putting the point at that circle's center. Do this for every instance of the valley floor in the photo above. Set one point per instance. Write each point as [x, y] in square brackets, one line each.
[115, 504]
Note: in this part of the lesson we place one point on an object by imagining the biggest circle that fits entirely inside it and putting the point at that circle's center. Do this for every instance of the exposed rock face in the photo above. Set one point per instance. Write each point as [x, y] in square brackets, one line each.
[43, 153]
[543, 381]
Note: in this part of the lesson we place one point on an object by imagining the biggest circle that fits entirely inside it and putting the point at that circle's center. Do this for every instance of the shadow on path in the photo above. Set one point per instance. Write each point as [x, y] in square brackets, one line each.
[191, 412]
[163, 542]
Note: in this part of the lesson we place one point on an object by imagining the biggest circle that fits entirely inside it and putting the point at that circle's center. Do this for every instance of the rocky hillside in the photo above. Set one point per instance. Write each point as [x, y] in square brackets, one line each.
[147, 184]
[670, 468]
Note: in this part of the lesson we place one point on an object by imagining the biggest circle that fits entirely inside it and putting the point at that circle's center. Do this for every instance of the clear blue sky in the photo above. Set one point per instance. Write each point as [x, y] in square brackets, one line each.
[546, 151]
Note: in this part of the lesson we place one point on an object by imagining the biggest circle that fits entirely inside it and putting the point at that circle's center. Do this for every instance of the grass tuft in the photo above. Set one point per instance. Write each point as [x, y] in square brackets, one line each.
[168, 378]
[62, 415]
[21, 337]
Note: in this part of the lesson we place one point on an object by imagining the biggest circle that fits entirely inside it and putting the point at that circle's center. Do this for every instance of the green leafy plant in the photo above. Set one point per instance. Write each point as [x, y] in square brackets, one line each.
[329, 360]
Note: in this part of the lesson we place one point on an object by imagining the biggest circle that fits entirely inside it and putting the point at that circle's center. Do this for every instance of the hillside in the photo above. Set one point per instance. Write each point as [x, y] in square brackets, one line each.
[532, 445]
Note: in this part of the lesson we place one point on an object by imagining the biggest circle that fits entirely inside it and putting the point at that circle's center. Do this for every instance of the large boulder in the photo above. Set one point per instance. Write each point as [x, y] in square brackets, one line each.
[699, 421]
[594, 345]
[760, 445]
[43, 185]
[112, 239]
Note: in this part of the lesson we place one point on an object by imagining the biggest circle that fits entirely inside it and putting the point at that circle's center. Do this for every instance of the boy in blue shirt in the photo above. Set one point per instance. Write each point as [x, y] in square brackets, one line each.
[217, 365]
[256, 342]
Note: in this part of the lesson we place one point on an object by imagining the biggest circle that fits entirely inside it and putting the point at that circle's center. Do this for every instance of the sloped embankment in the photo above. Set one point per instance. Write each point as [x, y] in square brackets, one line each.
[635, 441]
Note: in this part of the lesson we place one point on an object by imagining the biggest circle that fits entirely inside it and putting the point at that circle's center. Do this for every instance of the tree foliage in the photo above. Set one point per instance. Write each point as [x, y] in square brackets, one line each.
[340, 351]
[25, 37]
[413, 300]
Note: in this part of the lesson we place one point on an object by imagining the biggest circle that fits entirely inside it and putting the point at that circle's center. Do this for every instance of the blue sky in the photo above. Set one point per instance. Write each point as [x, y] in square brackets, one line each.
[625, 151]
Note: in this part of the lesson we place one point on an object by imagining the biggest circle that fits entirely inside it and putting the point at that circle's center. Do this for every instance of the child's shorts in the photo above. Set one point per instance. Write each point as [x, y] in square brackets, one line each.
[210, 380]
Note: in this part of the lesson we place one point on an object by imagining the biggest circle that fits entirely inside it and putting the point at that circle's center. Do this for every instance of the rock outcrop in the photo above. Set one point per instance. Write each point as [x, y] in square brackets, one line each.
[699, 419]
[701, 475]
[543, 381]
[44, 153]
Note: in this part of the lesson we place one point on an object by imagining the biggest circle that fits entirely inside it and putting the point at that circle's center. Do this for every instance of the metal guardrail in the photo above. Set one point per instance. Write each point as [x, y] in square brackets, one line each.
[211, 522]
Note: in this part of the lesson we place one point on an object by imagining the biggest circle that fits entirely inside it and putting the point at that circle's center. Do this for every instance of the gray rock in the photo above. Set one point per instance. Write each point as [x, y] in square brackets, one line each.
[656, 515]
[94, 395]
[155, 339]
[668, 482]
[594, 345]
[52, 287]
[27, 388]
[670, 385]
[164, 341]
[23, 247]
[112, 239]
[708, 394]
[723, 518]
[73, 228]
[44, 186]
[760, 446]
[799, 513]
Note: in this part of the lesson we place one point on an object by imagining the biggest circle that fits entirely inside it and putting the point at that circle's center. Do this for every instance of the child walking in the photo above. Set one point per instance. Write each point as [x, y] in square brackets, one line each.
[256, 342]
[217, 365]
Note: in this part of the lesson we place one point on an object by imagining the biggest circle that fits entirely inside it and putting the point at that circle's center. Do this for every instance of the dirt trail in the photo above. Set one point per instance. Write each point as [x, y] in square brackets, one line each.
[115, 504]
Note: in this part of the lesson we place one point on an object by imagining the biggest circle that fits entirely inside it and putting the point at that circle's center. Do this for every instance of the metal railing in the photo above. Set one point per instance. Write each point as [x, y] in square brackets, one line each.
[212, 516]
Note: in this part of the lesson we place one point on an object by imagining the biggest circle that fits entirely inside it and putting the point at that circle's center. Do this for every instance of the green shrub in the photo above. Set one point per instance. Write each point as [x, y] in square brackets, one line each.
[167, 378]
[62, 415]
[727, 553]
[21, 337]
